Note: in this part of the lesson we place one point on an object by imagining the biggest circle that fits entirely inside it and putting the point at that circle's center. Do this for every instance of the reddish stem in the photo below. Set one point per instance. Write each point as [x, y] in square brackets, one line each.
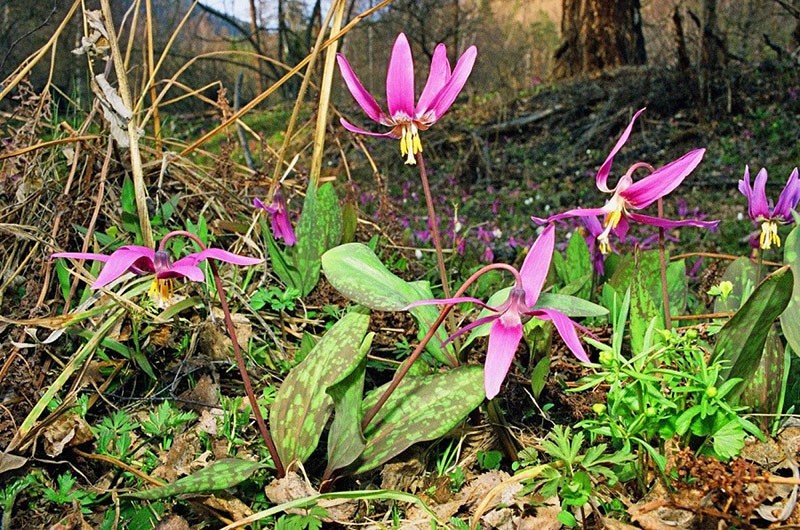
[237, 352]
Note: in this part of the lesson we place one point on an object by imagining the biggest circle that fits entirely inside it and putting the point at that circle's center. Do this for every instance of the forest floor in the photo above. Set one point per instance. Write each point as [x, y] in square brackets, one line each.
[493, 163]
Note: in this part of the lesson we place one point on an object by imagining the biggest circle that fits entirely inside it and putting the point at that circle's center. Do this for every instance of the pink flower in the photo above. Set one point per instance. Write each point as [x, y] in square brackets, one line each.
[762, 212]
[628, 195]
[144, 260]
[279, 218]
[506, 331]
[404, 118]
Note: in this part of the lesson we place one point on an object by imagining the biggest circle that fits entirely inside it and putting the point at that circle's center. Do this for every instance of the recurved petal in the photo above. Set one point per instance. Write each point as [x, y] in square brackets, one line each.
[759, 206]
[663, 180]
[362, 97]
[448, 94]
[744, 185]
[670, 223]
[576, 212]
[605, 169]
[400, 79]
[789, 197]
[358, 130]
[536, 265]
[566, 328]
[81, 255]
[437, 78]
[219, 255]
[503, 341]
[121, 260]
[186, 270]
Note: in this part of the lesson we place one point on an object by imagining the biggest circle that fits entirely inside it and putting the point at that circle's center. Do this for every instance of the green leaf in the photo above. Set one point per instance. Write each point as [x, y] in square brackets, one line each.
[728, 441]
[740, 342]
[319, 229]
[302, 405]
[763, 392]
[421, 408]
[742, 273]
[644, 310]
[345, 439]
[355, 271]
[790, 319]
[220, 475]
[279, 260]
[570, 305]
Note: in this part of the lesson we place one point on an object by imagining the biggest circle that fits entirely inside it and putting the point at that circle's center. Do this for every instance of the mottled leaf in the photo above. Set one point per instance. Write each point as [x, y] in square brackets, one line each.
[644, 310]
[355, 271]
[740, 342]
[420, 409]
[345, 439]
[302, 405]
[220, 475]
[319, 229]
[763, 393]
[790, 319]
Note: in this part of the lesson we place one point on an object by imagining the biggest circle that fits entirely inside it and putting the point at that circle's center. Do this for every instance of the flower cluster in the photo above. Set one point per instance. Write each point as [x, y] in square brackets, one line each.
[762, 212]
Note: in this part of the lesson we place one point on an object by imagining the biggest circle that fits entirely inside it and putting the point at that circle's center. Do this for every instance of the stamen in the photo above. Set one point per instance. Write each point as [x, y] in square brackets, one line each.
[769, 235]
[612, 219]
[410, 143]
[160, 291]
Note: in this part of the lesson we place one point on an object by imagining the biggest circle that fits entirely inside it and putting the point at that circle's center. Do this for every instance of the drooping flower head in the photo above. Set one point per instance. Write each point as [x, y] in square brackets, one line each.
[762, 212]
[404, 118]
[507, 319]
[279, 218]
[143, 260]
[629, 196]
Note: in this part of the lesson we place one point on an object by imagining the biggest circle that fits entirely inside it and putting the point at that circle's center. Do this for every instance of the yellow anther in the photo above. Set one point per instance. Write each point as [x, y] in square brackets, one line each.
[769, 235]
[612, 219]
[410, 143]
[160, 291]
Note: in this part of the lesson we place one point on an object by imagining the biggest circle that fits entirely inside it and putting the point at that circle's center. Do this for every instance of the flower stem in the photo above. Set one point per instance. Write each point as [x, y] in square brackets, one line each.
[437, 242]
[406, 366]
[663, 262]
[237, 352]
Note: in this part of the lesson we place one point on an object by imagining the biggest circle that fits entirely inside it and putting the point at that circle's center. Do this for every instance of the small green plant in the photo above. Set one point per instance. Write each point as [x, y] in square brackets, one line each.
[164, 421]
[275, 298]
[571, 474]
[309, 521]
[66, 493]
[113, 435]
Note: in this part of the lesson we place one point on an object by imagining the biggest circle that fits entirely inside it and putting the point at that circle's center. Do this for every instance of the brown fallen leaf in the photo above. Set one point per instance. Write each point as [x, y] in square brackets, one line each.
[172, 522]
[66, 431]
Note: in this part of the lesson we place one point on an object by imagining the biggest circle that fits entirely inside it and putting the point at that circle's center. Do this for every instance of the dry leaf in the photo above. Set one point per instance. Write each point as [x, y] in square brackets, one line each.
[66, 431]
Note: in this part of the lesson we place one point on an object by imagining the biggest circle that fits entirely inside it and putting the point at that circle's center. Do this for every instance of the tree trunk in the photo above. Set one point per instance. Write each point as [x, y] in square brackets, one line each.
[599, 34]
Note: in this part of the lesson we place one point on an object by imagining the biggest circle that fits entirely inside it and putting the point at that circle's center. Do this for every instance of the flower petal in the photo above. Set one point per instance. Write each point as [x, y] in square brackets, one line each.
[503, 342]
[449, 93]
[358, 130]
[356, 88]
[121, 260]
[536, 265]
[192, 272]
[670, 223]
[663, 180]
[566, 328]
[437, 78]
[81, 255]
[577, 212]
[605, 169]
[219, 255]
[759, 205]
[789, 197]
[400, 79]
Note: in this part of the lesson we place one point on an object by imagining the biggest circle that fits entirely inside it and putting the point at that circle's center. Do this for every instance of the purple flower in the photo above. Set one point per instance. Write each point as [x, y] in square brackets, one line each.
[405, 119]
[629, 195]
[762, 212]
[144, 260]
[506, 331]
[279, 218]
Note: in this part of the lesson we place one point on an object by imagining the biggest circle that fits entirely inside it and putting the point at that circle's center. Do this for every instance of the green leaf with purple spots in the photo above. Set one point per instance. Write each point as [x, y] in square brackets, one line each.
[420, 409]
[302, 405]
[220, 475]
